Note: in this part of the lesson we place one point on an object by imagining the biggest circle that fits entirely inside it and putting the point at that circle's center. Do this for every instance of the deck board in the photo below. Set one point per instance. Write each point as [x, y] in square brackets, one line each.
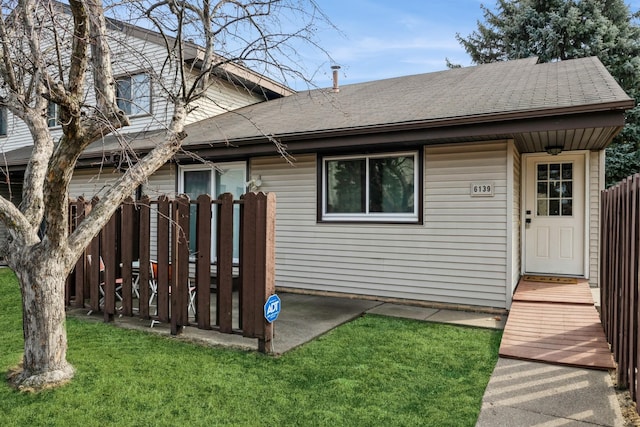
[556, 323]
[572, 293]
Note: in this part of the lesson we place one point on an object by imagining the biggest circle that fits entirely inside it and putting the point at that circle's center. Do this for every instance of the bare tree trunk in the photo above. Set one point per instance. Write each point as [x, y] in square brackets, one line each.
[42, 285]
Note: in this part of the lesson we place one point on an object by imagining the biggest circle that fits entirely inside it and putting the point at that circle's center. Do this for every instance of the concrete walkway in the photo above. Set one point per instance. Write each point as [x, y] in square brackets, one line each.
[523, 394]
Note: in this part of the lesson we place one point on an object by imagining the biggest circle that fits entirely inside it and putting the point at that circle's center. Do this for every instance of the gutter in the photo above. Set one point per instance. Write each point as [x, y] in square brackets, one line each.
[549, 113]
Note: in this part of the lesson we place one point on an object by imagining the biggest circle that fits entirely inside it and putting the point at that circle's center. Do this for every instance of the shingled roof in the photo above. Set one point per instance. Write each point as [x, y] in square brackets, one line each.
[491, 92]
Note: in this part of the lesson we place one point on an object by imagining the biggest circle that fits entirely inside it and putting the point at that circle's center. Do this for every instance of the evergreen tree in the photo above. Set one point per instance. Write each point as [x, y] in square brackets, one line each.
[556, 30]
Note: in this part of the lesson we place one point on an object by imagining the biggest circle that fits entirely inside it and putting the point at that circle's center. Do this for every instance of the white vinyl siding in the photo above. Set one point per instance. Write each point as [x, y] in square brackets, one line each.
[18, 134]
[221, 96]
[162, 182]
[596, 185]
[92, 182]
[514, 168]
[89, 182]
[458, 256]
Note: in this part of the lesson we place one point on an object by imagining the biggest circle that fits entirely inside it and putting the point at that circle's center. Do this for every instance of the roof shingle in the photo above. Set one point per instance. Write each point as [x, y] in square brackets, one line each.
[472, 93]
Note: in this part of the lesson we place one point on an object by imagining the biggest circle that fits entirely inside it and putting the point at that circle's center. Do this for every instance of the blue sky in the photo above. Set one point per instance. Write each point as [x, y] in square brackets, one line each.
[387, 38]
[384, 38]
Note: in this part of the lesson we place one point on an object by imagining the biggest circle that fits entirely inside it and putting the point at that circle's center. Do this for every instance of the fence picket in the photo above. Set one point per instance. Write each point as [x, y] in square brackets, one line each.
[126, 254]
[144, 265]
[619, 268]
[203, 261]
[224, 273]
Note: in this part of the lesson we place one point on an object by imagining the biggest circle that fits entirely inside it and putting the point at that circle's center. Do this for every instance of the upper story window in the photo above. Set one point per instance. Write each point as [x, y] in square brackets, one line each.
[133, 94]
[382, 188]
[4, 122]
[53, 115]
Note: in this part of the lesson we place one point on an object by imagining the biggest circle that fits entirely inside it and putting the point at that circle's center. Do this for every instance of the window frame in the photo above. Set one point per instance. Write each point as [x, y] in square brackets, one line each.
[132, 101]
[415, 217]
[548, 181]
[4, 121]
[55, 118]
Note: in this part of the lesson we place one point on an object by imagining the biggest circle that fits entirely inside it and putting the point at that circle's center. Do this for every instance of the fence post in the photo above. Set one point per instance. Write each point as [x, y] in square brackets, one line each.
[258, 265]
[180, 265]
[162, 300]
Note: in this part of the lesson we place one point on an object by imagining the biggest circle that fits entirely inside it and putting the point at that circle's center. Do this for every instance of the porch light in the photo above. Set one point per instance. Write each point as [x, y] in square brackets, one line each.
[554, 150]
[255, 183]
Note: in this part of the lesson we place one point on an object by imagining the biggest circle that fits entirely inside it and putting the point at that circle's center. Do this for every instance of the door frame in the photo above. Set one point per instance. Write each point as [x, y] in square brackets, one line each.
[587, 205]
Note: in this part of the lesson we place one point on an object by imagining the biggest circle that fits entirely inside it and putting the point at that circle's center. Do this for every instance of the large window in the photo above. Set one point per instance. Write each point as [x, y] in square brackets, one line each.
[133, 94]
[227, 178]
[371, 188]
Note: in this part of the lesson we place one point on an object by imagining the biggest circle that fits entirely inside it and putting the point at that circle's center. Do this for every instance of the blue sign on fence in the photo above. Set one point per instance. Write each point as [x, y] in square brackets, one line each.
[272, 308]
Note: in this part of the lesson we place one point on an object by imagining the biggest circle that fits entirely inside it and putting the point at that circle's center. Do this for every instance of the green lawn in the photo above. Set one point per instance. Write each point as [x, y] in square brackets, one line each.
[373, 371]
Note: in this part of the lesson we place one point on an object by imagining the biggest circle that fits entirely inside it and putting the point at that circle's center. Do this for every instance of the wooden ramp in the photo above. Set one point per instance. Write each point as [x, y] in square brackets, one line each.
[556, 323]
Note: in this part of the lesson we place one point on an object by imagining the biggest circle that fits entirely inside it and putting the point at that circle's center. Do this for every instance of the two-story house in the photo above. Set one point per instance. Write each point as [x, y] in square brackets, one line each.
[142, 81]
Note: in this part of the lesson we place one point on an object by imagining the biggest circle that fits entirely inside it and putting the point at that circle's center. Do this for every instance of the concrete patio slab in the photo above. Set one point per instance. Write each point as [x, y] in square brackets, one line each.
[305, 317]
[467, 318]
[405, 311]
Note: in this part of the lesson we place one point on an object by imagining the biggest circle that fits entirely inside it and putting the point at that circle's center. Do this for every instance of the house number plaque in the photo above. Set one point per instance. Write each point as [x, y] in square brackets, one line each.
[482, 189]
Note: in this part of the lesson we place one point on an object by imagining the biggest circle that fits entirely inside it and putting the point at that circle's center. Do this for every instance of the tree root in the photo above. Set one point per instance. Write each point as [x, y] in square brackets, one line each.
[24, 381]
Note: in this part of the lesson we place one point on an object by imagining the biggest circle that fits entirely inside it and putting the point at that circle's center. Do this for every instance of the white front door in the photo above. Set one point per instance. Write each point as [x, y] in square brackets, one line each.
[555, 215]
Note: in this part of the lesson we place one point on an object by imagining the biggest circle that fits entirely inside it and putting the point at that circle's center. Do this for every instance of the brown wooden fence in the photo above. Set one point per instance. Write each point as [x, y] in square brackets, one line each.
[142, 255]
[620, 226]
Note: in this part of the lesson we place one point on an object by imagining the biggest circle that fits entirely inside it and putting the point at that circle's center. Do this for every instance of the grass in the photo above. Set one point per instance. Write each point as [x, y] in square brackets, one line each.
[370, 372]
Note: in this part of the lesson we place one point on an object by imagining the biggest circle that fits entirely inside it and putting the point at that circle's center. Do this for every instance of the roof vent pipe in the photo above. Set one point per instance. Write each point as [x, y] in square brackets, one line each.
[335, 69]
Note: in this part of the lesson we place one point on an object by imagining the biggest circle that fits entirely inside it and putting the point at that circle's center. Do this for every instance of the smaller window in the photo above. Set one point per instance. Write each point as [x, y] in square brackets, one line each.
[133, 94]
[53, 115]
[3, 121]
[554, 193]
[371, 188]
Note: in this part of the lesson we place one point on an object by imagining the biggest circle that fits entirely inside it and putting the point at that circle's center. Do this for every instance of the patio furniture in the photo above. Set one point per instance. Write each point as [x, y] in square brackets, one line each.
[118, 282]
[153, 286]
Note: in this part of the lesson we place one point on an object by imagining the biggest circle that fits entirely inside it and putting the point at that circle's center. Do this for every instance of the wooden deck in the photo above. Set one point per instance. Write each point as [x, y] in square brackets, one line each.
[556, 323]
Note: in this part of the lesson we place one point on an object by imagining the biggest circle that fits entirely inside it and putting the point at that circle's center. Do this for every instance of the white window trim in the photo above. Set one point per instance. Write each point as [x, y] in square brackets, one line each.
[132, 101]
[56, 110]
[368, 216]
[212, 169]
[4, 116]
[214, 214]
